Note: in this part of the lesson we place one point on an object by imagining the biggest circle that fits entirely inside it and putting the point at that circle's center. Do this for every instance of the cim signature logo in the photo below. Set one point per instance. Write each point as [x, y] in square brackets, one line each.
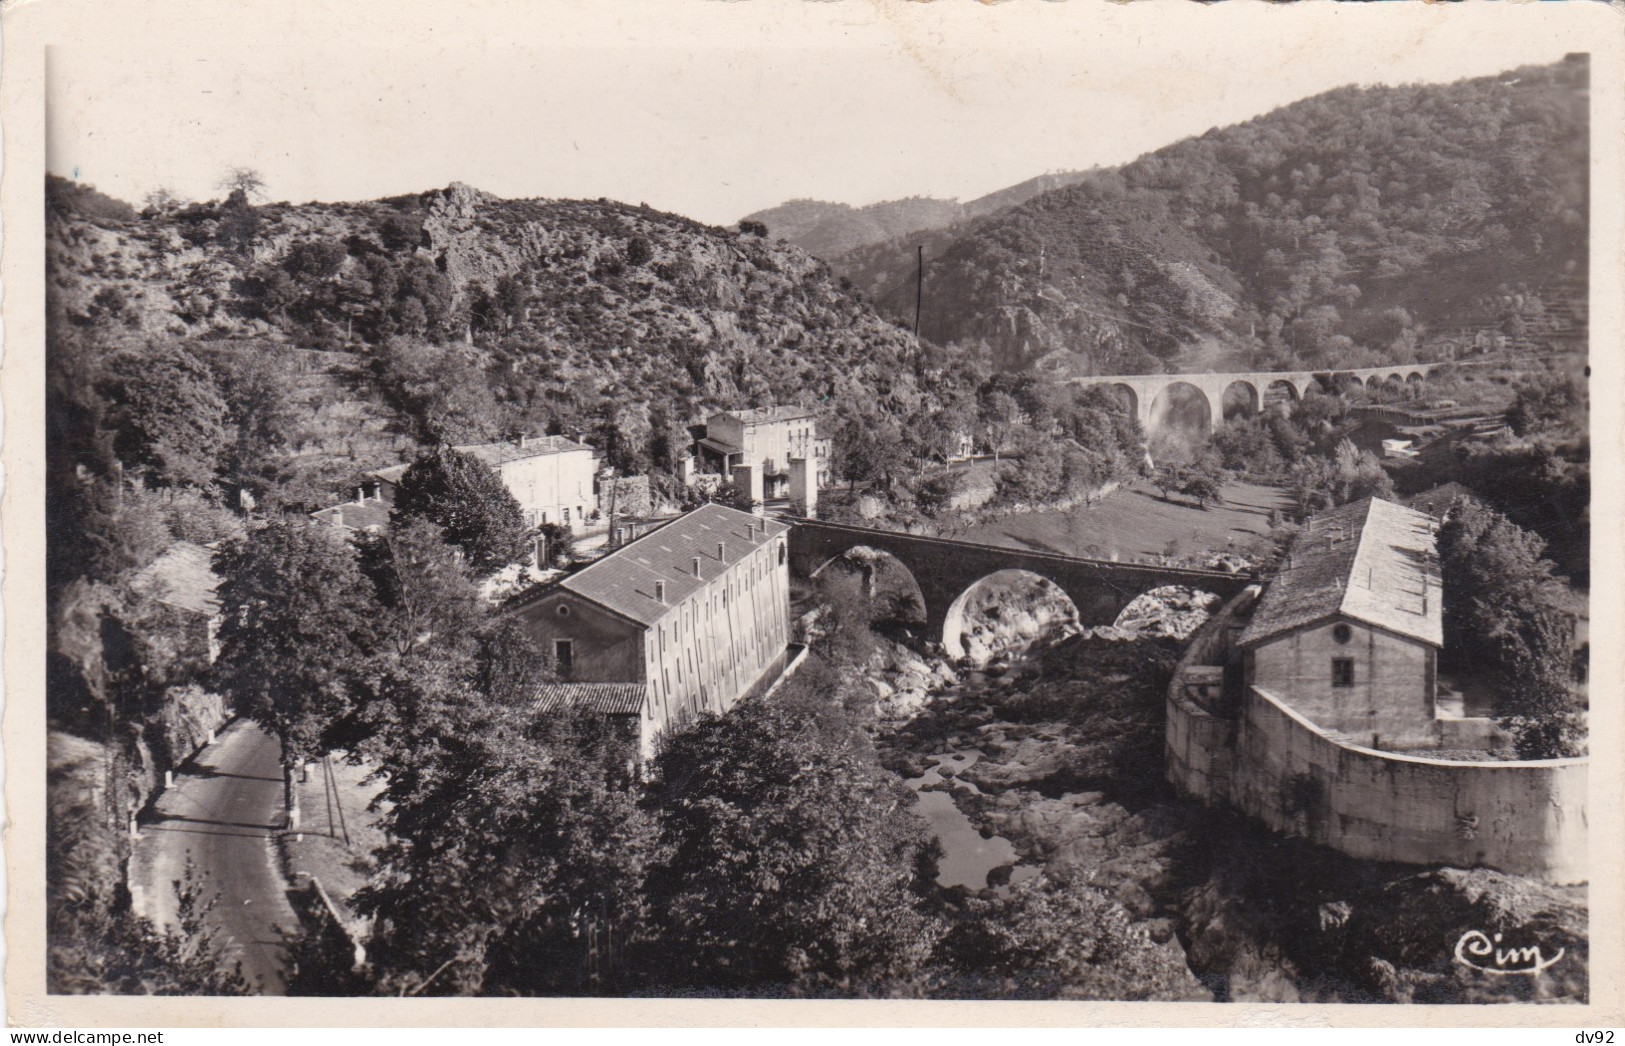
[1482, 952]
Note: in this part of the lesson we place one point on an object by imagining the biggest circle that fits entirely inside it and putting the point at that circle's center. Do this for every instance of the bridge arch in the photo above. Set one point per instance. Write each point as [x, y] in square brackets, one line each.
[1282, 390]
[1128, 396]
[989, 598]
[945, 569]
[883, 579]
[1416, 377]
[1182, 401]
[1241, 396]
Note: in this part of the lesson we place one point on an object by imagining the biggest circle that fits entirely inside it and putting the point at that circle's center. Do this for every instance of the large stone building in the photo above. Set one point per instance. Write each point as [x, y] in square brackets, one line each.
[1315, 706]
[550, 476]
[688, 618]
[768, 449]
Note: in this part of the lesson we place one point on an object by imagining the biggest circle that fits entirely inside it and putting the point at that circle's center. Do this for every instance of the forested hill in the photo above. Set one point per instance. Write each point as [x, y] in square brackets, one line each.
[456, 315]
[830, 230]
[1359, 226]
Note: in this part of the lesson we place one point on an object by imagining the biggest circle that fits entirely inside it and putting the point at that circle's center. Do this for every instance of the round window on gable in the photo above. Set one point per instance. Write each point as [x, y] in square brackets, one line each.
[564, 610]
[1342, 633]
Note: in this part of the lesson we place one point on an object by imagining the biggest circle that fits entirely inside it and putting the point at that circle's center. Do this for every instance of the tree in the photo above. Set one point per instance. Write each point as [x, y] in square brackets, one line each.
[1166, 480]
[846, 614]
[1501, 615]
[426, 596]
[1203, 480]
[788, 856]
[516, 851]
[1547, 401]
[167, 414]
[1057, 937]
[99, 947]
[1205, 489]
[559, 541]
[447, 396]
[296, 636]
[1347, 476]
[253, 382]
[244, 180]
[161, 201]
[469, 502]
[935, 495]
[869, 451]
[735, 496]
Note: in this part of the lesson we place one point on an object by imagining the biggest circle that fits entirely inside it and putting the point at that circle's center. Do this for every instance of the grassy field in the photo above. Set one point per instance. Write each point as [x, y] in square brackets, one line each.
[1137, 523]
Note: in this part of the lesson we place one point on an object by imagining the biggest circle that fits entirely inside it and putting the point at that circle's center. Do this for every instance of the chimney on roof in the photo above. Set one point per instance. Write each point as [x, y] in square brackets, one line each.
[660, 591]
[722, 549]
[696, 566]
[338, 517]
[524, 441]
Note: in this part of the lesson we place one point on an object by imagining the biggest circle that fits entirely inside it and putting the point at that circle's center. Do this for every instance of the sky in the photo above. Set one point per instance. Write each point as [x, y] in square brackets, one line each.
[707, 108]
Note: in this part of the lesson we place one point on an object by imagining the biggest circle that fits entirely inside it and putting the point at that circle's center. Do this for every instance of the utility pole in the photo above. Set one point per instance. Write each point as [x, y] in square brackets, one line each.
[919, 286]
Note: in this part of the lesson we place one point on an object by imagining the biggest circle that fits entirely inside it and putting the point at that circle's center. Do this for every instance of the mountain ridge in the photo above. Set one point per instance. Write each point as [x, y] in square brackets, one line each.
[1370, 224]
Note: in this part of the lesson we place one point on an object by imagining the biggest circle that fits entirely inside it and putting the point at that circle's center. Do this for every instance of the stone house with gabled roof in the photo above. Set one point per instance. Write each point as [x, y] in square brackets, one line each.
[1351, 628]
[1313, 707]
[687, 619]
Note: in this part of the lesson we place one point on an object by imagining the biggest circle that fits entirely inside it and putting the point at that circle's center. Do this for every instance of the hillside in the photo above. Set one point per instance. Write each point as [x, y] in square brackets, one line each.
[829, 230]
[1360, 226]
[453, 315]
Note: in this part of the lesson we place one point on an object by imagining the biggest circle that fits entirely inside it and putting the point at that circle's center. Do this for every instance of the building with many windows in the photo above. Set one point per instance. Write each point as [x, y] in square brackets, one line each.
[689, 618]
[766, 441]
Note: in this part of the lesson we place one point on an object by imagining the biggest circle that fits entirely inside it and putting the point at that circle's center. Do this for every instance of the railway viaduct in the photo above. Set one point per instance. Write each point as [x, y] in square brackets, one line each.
[946, 572]
[1147, 391]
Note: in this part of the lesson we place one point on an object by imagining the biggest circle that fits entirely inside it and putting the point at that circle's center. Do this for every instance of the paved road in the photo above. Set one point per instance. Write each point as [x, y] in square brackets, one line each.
[223, 812]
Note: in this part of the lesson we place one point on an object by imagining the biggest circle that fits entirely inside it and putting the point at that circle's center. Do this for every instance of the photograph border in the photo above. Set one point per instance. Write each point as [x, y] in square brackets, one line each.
[1598, 28]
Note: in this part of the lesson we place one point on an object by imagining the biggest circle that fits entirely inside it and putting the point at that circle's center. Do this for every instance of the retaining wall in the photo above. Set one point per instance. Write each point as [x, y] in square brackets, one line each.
[1526, 818]
[1271, 763]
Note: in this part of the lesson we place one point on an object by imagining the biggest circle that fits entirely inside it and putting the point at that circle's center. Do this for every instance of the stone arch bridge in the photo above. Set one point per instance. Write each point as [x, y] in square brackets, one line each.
[947, 570]
[1145, 390]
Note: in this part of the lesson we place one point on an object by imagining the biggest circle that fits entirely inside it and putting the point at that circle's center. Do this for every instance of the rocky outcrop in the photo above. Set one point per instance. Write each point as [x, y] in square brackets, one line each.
[1172, 612]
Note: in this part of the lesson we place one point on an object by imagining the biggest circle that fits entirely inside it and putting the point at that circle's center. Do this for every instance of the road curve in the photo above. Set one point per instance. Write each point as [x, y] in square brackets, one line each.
[223, 811]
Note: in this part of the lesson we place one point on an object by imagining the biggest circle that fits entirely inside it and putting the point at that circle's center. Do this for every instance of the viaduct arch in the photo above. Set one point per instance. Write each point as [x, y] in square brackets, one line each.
[1144, 391]
[945, 570]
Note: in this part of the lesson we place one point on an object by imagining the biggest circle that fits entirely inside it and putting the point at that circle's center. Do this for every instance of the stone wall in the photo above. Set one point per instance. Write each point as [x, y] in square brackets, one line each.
[625, 496]
[1526, 818]
[1271, 763]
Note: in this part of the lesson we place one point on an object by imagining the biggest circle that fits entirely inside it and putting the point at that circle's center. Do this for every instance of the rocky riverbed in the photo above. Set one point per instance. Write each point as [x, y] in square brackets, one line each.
[1052, 764]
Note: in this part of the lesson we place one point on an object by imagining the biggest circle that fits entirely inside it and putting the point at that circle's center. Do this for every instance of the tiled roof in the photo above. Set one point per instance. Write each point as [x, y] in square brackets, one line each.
[510, 450]
[756, 415]
[496, 454]
[624, 580]
[392, 474]
[721, 446]
[183, 576]
[1372, 561]
[356, 515]
[604, 698]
